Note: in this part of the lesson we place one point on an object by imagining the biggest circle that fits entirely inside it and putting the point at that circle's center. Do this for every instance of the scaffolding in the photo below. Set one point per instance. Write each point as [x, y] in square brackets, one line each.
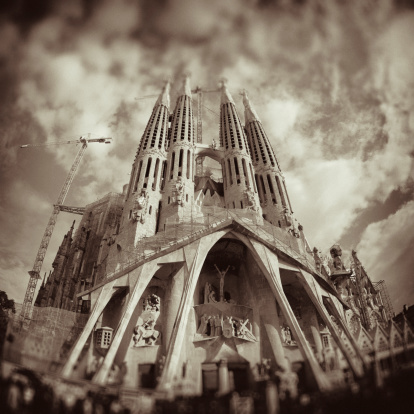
[180, 230]
[381, 288]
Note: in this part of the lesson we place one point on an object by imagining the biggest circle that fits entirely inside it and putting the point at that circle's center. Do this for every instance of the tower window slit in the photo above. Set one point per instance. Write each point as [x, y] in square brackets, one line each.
[180, 162]
[230, 172]
[163, 170]
[172, 165]
[188, 163]
[245, 172]
[138, 175]
[236, 169]
[279, 187]
[262, 185]
[256, 179]
[154, 182]
[269, 182]
[252, 175]
[148, 167]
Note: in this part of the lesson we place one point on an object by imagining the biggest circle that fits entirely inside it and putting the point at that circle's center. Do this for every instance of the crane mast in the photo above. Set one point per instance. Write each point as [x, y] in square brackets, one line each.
[35, 272]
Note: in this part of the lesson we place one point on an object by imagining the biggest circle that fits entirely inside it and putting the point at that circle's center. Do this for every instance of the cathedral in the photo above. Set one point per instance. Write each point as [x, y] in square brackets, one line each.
[197, 284]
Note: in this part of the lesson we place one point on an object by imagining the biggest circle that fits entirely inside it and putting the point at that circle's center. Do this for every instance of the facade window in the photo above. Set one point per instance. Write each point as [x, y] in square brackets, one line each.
[325, 341]
[172, 165]
[103, 337]
[150, 210]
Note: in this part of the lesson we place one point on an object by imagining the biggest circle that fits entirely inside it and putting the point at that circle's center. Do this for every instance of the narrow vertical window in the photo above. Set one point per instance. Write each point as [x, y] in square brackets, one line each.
[279, 187]
[154, 182]
[245, 172]
[230, 172]
[163, 170]
[138, 175]
[188, 163]
[172, 165]
[252, 175]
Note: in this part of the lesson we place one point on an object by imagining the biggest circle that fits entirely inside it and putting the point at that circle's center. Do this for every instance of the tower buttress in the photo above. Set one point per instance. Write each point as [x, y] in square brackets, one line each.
[240, 190]
[142, 204]
[179, 174]
[269, 179]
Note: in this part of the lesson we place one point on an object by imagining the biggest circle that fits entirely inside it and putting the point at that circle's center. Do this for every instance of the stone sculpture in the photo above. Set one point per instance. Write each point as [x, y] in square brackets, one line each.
[251, 201]
[139, 210]
[145, 332]
[179, 192]
[222, 274]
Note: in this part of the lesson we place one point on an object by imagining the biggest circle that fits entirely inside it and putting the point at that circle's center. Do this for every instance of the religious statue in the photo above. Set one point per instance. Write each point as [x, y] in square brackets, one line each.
[336, 253]
[179, 191]
[139, 208]
[202, 329]
[221, 276]
[243, 331]
[251, 200]
[228, 328]
[318, 259]
[287, 335]
[144, 331]
[287, 216]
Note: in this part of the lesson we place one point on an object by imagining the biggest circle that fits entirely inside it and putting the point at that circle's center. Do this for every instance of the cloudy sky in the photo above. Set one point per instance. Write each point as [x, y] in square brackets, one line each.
[332, 81]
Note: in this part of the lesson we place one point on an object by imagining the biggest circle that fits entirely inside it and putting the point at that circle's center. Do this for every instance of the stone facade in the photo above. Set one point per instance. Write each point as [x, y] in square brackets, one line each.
[215, 288]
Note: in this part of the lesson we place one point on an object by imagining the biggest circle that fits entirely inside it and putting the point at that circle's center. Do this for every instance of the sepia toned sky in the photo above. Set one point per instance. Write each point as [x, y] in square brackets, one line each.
[332, 81]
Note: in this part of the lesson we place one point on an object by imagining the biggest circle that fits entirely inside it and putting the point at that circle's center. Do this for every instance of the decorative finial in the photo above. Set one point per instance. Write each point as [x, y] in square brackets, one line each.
[249, 113]
[164, 98]
[225, 94]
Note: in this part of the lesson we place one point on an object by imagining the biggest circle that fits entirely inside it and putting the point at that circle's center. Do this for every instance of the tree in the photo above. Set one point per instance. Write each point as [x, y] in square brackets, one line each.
[6, 304]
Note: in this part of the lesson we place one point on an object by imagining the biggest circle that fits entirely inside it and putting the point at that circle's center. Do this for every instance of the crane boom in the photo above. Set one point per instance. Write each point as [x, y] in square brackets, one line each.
[35, 272]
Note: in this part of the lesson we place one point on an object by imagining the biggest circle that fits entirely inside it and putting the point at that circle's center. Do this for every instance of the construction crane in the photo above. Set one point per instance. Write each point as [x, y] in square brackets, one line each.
[58, 206]
[199, 91]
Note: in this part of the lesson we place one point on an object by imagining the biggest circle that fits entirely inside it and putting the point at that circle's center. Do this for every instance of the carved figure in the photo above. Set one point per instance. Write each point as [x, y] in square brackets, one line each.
[139, 210]
[222, 274]
[264, 368]
[243, 331]
[287, 335]
[228, 328]
[336, 253]
[212, 324]
[218, 327]
[202, 329]
[144, 331]
[288, 217]
[179, 191]
[318, 259]
[251, 200]
[207, 290]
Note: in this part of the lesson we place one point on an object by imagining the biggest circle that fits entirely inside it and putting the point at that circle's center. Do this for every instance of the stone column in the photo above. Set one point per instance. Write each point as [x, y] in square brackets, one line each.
[271, 323]
[146, 272]
[102, 300]
[223, 377]
[175, 293]
[195, 254]
[268, 263]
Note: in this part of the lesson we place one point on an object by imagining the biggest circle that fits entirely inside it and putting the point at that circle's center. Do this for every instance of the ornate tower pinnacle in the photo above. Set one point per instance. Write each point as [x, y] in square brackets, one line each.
[143, 196]
[164, 98]
[250, 113]
[239, 187]
[179, 174]
[270, 182]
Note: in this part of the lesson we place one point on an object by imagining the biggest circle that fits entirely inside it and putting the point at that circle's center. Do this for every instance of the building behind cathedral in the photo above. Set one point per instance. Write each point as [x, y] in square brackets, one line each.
[205, 284]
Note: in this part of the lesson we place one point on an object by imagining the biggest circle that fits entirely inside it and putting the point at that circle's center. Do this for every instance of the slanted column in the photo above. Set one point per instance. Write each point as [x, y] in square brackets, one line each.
[176, 290]
[102, 300]
[195, 254]
[146, 273]
[268, 263]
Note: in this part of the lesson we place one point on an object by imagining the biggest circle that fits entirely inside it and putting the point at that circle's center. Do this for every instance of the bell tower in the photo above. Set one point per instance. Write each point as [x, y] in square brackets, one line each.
[178, 186]
[143, 197]
[269, 179]
[239, 187]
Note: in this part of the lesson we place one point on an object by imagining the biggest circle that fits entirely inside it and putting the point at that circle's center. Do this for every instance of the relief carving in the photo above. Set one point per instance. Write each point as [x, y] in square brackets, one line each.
[145, 332]
[140, 207]
[251, 200]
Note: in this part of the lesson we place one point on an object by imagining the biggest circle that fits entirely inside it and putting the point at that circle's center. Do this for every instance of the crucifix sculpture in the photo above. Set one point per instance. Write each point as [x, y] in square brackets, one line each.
[222, 273]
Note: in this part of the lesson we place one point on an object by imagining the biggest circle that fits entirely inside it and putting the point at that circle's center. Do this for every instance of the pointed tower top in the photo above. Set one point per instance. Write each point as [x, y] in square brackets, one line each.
[164, 98]
[225, 94]
[185, 88]
[249, 112]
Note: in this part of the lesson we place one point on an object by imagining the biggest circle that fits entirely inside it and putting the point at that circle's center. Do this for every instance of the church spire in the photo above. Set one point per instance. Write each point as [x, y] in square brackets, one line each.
[164, 98]
[185, 88]
[225, 94]
[250, 113]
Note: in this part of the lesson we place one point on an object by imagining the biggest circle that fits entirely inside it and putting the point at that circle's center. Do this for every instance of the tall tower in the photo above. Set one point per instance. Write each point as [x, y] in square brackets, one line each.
[142, 203]
[240, 190]
[179, 175]
[269, 179]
